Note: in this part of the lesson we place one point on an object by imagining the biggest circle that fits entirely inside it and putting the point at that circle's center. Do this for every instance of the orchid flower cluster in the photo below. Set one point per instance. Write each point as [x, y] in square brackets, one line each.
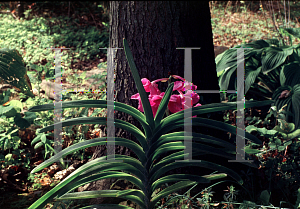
[177, 102]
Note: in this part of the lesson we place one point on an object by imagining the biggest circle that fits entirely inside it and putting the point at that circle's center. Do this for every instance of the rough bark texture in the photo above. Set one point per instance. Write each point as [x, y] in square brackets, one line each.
[154, 30]
[21, 9]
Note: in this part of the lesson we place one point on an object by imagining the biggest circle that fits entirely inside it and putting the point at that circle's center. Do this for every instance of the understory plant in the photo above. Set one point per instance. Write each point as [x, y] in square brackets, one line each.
[13, 71]
[11, 121]
[271, 72]
[156, 139]
[279, 156]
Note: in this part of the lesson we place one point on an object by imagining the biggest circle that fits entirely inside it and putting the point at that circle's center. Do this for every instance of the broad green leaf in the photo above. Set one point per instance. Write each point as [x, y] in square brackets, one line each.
[290, 74]
[274, 57]
[16, 104]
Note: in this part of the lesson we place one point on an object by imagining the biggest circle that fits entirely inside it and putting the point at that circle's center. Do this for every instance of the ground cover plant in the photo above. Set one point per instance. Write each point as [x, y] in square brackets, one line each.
[234, 23]
[30, 37]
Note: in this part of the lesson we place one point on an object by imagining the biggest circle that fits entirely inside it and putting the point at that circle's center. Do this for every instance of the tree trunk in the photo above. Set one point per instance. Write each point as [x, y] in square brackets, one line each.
[154, 30]
[21, 9]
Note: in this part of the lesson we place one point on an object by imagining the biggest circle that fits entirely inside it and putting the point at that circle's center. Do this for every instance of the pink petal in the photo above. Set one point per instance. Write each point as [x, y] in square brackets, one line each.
[178, 85]
[197, 106]
[195, 98]
[178, 77]
[161, 80]
[146, 84]
[175, 104]
[135, 96]
[194, 87]
[154, 89]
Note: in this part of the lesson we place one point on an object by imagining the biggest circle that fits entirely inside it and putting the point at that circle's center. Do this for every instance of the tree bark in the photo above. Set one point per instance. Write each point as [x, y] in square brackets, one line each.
[21, 9]
[154, 30]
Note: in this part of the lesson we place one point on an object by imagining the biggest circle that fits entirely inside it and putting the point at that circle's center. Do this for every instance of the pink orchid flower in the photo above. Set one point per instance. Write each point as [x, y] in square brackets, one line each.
[189, 85]
[176, 102]
[155, 101]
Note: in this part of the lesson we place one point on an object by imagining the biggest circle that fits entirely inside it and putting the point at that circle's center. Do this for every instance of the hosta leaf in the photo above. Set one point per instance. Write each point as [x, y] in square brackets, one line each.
[296, 104]
[290, 74]
[293, 31]
[274, 57]
[251, 77]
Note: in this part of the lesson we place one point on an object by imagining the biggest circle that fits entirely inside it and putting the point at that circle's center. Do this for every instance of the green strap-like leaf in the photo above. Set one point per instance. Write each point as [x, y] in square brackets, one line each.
[156, 173]
[139, 85]
[91, 104]
[90, 143]
[170, 190]
[197, 146]
[103, 121]
[178, 177]
[196, 136]
[107, 206]
[99, 104]
[163, 104]
[89, 177]
[101, 193]
[107, 165]
[215, 107]
[203, 122]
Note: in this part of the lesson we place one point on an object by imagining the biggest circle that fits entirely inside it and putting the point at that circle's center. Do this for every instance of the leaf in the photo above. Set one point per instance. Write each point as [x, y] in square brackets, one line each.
[251, 151]
[82, 76]
[139, 85]
[21, 122]
[30, 116]
[251, 77]
[17, 104]
[163, 104]
[8, 157]
[290, 74]
[293, 31]
[8, 111]
[265, 197]
[12, 70]
[43, 138]
[274, 57]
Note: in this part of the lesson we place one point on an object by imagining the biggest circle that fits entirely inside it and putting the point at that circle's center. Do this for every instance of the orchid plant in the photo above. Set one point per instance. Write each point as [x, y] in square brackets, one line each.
[176, 102]
[148, 171]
